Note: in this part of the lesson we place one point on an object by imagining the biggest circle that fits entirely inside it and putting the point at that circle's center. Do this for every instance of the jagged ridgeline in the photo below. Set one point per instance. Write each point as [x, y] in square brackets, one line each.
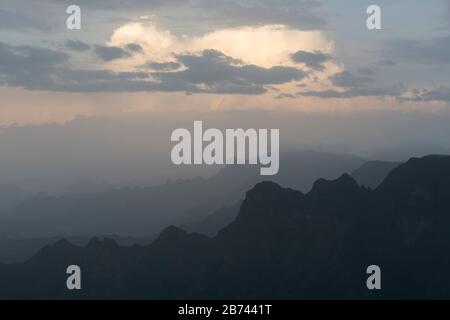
[283, 244]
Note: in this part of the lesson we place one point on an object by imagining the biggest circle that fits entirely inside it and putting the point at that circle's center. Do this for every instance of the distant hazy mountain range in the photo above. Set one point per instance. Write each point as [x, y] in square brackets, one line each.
[372, 173]
[205, 217]
[369, 174]
[14, 250]
[282, 244]
[141, 211]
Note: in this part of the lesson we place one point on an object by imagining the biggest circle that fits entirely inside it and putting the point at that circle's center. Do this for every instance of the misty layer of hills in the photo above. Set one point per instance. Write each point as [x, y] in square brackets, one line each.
[140, 211]
[14, 250]
[199, 205]
[372, 173]
[282, 244]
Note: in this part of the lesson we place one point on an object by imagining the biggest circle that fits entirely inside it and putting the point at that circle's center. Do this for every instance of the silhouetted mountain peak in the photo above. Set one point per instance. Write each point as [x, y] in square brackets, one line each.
[59, 248]
[170, 234]
[419, 176]
[343, 184]
[93, 242]
[263, 188]
[282, 245]
[267, 189]
[266, 205]
[62, 244]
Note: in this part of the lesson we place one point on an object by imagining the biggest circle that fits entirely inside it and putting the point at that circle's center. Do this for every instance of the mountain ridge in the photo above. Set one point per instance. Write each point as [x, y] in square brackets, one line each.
[283, 244]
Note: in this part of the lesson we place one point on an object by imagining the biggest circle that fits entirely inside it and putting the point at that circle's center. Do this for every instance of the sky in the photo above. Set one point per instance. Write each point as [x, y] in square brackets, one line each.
[100, 102]
[140, 56]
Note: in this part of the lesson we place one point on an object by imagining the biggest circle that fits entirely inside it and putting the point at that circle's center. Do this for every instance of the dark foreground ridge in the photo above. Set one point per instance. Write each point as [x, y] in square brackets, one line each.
[283, 244]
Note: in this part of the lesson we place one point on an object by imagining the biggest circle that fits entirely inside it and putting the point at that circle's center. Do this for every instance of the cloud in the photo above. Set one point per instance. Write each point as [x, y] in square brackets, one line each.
[35, 68]
[82, 80]
[354, 92]
[426, 51]
[77, 45]
[298, 14]
[284, 95]
[134, 47]
[351, 86]
[116, 4]
[27, 66]
[262, 50]
[142, 57]
[214, 69]
[314, 60]
[108, 53]
[433, 94]
[266, 46]
[363, 85]
[27, 57]
[208, 72]
[346, 79]
[161, 66]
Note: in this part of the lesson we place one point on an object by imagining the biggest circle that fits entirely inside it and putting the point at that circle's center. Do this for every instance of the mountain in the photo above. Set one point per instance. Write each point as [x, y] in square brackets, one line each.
[372, 173]
[214, 222]
[283, 244]
[146, 210]
[13, 250]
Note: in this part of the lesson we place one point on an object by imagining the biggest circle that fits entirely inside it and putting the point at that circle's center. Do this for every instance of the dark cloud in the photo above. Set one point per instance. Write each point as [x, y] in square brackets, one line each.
[107, 53]
[301, 14]
[314, 60]
[70, 80]
[27, 57]
[134, 47]
[28, 67]
[212, 68]
[354, 92]
[209, 72]
[81, 75]
[284, 96]
[354, 86]
[162, 66]
[346, 79]
[428, 51]
[115, 4]
[77, 45]
[36, 68]
[435, 94]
